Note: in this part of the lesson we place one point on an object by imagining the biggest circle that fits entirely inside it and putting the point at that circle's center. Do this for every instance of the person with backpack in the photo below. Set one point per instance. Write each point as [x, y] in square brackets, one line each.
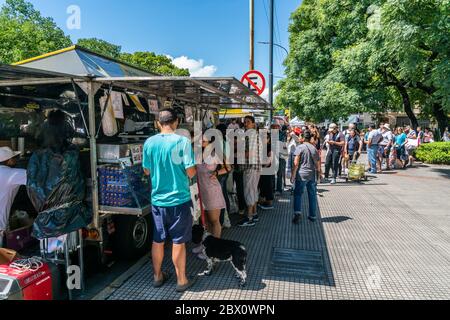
[306, 164]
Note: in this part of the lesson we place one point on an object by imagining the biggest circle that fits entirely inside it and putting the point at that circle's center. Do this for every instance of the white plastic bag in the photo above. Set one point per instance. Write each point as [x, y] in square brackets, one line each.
[109, 123]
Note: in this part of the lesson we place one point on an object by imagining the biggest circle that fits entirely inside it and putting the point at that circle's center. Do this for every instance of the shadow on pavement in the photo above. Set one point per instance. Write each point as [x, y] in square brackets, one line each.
[443, 172]
[337, 219]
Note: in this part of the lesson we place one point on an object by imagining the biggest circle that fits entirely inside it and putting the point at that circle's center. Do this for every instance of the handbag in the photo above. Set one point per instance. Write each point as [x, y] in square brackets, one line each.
[412, 144]
[234, 207]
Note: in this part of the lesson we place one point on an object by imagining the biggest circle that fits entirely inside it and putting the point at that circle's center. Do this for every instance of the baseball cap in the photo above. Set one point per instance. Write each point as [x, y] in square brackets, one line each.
[7, 153]
[297, 131]
[333, 126]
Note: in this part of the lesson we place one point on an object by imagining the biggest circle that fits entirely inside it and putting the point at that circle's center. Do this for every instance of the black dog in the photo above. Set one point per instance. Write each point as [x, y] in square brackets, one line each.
[220, 250]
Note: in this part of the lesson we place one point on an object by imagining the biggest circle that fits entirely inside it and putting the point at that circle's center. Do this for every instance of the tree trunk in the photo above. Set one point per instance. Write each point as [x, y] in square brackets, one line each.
[441, 117]
[407, 106]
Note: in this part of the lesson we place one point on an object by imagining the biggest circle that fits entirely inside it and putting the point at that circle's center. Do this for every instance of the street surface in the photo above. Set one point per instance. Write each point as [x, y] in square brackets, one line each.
[388, 238]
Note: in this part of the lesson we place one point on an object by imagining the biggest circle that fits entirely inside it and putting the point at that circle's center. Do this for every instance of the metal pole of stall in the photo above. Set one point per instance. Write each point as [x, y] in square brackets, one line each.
[81, 258]
[93, 155]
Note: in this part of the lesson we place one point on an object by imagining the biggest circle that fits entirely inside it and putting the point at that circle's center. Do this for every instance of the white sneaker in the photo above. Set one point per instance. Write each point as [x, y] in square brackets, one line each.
[198, 249]
[201, 256]
[226, 221]
[333, 181]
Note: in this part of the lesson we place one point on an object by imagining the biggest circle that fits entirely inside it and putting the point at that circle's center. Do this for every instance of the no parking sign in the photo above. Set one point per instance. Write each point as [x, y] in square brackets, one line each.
[255, 81]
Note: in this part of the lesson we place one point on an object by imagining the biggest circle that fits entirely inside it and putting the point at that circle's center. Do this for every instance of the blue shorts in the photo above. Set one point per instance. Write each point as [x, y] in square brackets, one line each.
[174, 222]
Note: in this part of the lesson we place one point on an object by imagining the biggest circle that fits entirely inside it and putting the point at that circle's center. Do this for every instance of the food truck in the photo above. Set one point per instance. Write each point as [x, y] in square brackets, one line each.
[112, 108]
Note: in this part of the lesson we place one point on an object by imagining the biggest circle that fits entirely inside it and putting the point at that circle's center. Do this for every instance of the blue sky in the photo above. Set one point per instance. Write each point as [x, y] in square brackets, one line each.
[215, 31]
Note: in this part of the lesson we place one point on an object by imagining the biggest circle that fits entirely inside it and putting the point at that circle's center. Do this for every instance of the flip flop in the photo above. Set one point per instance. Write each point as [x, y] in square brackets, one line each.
[160, 283]
[190, 283]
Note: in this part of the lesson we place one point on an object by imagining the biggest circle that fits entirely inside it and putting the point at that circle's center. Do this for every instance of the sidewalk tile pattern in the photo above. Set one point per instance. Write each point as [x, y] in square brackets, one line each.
[371, 242]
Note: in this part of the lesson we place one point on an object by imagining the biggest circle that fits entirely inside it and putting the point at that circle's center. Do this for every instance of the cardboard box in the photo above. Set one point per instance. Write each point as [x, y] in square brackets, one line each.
[7, 255]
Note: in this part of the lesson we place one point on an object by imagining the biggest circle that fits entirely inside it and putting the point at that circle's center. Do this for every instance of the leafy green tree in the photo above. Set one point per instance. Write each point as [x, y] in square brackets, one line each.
[323, 80]
[152, 62]
[101, 46]
[25, 33]
[356, 55]
[416, 39]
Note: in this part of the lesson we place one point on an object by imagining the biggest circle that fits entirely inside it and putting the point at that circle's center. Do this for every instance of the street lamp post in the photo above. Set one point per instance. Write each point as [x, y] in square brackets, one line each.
[272, 4]
[271, 76]
[275, 44]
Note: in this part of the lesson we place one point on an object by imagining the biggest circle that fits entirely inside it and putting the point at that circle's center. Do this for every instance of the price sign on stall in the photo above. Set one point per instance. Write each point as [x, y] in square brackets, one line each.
[255, 81]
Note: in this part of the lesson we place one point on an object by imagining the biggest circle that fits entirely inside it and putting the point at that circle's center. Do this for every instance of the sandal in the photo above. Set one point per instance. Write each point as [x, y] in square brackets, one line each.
[160, 283]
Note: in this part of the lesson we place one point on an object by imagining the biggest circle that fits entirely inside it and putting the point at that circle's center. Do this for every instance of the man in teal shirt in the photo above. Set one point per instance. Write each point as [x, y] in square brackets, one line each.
[168, 159]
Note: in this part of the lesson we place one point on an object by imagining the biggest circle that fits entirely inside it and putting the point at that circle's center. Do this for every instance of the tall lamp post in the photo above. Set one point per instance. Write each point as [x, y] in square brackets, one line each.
[272, 4]
[271, 76]
[276, 45]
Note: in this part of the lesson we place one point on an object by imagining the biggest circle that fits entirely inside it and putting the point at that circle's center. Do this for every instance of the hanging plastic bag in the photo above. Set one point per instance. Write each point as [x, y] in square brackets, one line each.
[56, 187]
[109, 123]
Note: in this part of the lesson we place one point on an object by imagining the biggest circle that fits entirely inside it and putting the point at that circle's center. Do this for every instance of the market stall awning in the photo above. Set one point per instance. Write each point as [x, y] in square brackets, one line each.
[226, 92]
[79, 61]
[214, 92]
[22, 76]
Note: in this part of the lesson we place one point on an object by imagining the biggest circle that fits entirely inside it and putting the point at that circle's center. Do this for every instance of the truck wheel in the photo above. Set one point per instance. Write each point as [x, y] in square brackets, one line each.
[133, 236]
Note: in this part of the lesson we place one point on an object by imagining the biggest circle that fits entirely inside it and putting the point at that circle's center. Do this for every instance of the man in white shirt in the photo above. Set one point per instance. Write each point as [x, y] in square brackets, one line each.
[11, 180]
[385, 144]
[233, 125]
[375, 137]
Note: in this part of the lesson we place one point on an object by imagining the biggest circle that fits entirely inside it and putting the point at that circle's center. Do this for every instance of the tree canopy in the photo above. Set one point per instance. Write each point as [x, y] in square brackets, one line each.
[101, 46]
[353, 56]
[25, 33]
[150, 61]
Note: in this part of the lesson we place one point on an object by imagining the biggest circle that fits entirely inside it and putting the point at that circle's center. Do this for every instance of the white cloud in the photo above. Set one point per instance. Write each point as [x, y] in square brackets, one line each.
[196, 68]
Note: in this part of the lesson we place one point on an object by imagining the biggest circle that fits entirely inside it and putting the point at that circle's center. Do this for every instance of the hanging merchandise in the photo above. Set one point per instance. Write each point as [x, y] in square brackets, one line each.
[109, 123]
[137, 103]
[189, 115]
[117, 104]
[168, 104]
[208, 120]
[125, 99]
[153, 105]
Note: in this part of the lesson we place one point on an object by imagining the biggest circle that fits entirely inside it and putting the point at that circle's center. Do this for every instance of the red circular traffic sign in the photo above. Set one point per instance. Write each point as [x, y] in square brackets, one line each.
[255, 81]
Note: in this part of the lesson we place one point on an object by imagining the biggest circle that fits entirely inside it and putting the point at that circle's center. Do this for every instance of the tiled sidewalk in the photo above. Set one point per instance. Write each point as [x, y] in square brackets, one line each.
[369, 243]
